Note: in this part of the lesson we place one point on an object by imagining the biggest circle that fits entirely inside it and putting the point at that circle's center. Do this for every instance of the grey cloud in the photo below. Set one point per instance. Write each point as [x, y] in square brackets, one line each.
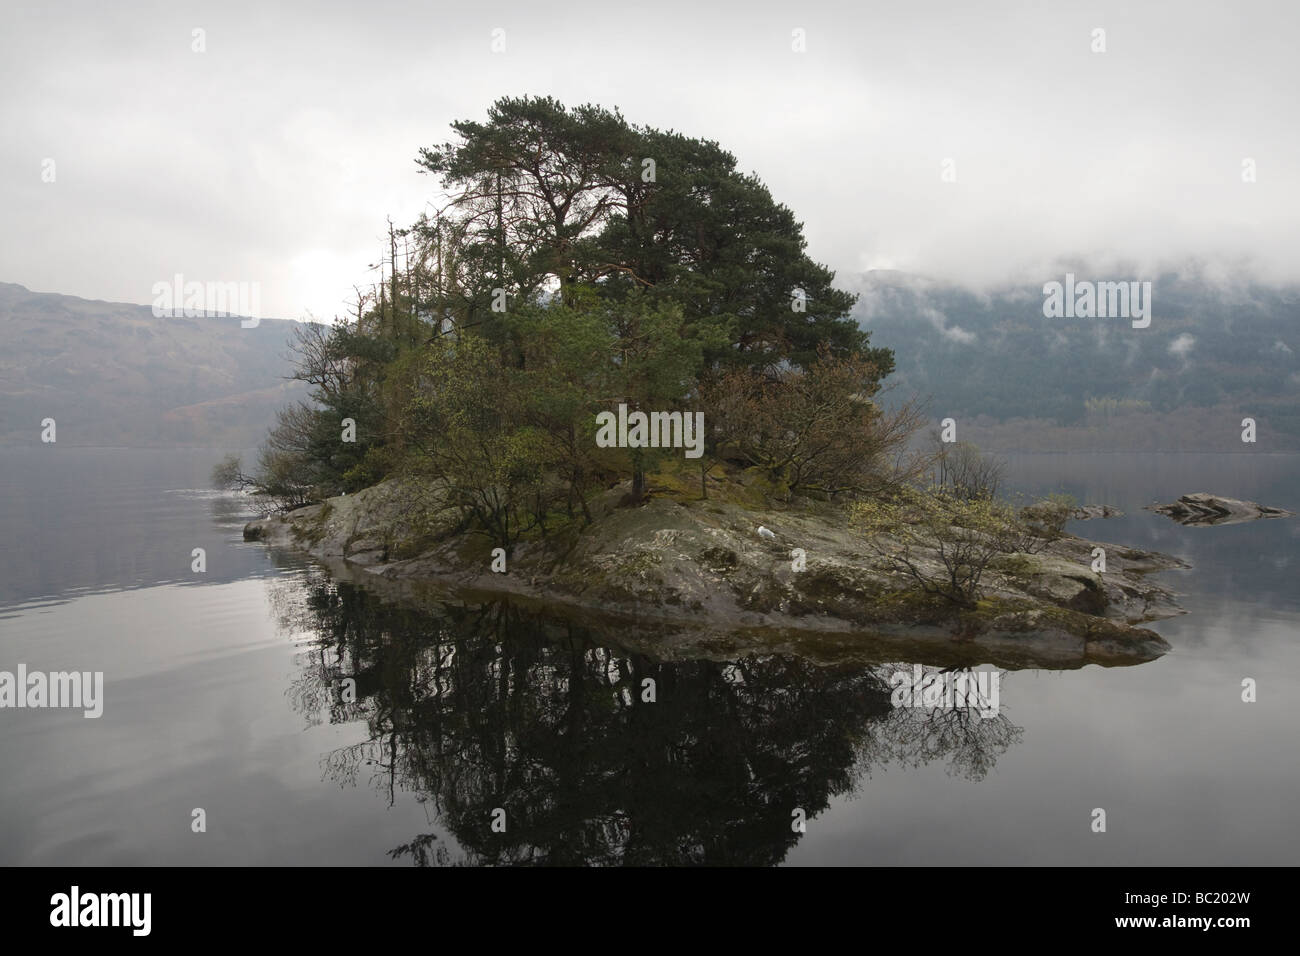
[275, 156]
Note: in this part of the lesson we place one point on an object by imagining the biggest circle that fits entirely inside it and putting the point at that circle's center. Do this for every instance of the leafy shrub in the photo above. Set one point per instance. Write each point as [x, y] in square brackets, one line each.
[942, 541]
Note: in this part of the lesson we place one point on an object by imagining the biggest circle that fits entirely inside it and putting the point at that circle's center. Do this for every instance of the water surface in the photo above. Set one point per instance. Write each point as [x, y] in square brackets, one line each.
[316, 723]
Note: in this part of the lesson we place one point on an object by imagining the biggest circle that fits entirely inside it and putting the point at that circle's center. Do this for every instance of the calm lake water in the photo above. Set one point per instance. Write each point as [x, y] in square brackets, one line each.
[224, 691]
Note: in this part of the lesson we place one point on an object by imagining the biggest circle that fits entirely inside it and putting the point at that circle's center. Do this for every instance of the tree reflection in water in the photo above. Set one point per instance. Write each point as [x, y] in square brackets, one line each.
[472, 708]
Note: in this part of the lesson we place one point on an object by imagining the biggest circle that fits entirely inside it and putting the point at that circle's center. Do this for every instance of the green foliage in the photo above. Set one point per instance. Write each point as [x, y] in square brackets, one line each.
[942, 541]
[814, 429]
[561, 280]
[1046, 519]
[471, 424]
[559, 198]
[293, 467]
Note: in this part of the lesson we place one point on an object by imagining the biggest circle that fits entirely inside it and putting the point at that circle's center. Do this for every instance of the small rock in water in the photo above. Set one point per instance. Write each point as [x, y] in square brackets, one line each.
[1096, 511]
[1201, 509]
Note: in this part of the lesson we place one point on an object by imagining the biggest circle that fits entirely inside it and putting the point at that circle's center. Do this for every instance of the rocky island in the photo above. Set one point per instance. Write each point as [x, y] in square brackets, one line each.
[757, 493]
[694, 575]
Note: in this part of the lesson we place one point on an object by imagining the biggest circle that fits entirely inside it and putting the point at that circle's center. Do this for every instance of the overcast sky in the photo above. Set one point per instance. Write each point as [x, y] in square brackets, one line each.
[275, 155]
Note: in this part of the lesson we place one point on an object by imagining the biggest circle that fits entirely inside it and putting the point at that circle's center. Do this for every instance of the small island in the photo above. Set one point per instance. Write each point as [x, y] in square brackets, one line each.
[604, 376]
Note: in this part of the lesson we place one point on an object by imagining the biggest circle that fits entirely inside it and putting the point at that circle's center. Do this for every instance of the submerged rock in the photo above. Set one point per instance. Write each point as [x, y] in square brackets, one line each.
[1201, 509]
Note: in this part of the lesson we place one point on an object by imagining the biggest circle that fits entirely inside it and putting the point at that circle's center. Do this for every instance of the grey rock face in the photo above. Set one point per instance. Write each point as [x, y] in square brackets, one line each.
[1201, 510]
[698, 572]
[1087, 512]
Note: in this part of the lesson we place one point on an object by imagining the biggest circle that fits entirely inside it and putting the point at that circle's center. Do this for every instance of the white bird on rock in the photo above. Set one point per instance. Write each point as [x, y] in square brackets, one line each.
[764, 533]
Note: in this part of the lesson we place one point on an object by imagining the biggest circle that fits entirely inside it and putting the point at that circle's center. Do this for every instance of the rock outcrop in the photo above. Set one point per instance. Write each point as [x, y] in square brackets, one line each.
[699, 573]
[1087, 512]
[1201, 510]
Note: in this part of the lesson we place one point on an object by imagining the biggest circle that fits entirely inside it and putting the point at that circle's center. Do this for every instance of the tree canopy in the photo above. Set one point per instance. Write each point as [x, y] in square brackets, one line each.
[551, 199]
[574, 262]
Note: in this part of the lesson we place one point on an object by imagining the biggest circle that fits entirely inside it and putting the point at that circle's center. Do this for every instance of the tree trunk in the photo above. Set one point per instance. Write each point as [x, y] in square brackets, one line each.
[638, 479]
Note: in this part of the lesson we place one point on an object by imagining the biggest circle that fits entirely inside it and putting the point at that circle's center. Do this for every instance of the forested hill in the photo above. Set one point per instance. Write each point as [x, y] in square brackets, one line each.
[112, 374]
[1212, 355]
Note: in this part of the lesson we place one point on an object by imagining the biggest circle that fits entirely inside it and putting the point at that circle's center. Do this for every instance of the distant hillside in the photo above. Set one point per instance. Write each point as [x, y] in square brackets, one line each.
[113, 374]
[1019, 381]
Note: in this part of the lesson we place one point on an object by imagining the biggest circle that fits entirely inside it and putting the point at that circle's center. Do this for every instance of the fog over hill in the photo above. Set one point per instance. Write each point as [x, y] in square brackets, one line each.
[1213, 354]
[114, 374]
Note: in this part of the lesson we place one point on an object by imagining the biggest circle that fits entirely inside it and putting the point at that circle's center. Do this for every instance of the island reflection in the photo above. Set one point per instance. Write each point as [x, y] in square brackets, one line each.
[473, 708]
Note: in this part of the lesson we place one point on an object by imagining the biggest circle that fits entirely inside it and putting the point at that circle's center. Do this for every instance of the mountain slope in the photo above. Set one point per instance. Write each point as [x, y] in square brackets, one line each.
[1212, 356]
[113, 374]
